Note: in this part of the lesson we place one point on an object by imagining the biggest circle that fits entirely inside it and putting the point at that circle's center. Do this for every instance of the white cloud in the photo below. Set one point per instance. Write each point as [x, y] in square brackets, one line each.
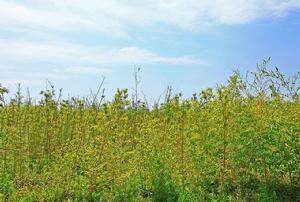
[86, 70]
[66, 61]
[116, 16]
[139, 55]
[78, 55]
[21, 16]
[13, 82]
[28, 78]
[11, 78]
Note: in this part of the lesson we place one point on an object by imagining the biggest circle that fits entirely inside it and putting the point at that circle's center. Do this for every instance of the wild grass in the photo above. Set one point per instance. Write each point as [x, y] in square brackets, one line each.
[237, 142]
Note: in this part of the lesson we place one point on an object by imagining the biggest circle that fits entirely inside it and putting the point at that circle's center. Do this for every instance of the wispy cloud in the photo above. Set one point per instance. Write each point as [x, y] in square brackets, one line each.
[12, 77]
[117, 17]
[86, 70]
[11, 83]
[32, 78]
[67, 61]
[76, 54]
[39, 17]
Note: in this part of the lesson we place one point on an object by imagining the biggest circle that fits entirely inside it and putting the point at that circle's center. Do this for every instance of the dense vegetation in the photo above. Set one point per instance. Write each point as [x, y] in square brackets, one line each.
[237, 142]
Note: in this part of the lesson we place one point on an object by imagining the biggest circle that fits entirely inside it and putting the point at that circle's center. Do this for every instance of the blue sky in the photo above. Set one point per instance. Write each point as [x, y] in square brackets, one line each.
[188, 44]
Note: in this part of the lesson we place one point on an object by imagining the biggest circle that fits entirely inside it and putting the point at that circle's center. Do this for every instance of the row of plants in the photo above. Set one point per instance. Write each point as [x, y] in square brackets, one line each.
[239, 141]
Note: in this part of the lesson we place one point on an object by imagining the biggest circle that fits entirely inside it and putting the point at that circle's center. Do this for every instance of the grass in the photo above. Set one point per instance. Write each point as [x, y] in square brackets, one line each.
[237, 142]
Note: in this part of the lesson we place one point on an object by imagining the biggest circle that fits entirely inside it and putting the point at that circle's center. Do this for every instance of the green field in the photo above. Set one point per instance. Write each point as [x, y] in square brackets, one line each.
[239, 141]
